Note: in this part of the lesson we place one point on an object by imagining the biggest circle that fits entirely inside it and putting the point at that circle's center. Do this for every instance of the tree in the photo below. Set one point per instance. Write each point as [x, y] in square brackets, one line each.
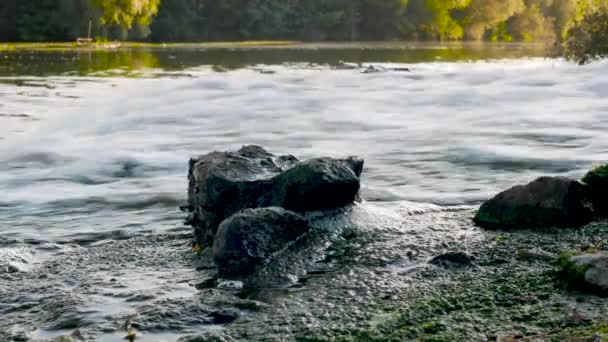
[587, 39]
[483, 15]
[531, 25]
[125, 13]
[8, 24]
[380, 19]
[444, 26]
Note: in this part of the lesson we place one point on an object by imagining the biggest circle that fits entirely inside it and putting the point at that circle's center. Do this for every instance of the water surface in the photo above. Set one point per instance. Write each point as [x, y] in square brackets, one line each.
[94, 148]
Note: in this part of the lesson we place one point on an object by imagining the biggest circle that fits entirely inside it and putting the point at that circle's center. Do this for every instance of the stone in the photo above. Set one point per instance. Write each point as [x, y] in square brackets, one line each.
[453, 259]
[251, 236]
[318, 184]
[207, 283]
[341, 65]
[597, 179]
[223, 183]
[589, 269]
[232, 285]
[544, 202]
[12, 269]
[223, 317]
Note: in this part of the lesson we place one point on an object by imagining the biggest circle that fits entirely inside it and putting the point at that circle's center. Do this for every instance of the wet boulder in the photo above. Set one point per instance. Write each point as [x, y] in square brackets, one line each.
[318, 184]
[597, 179]
[588, 270]
[222, 183]
[546, 201]
[249, 237]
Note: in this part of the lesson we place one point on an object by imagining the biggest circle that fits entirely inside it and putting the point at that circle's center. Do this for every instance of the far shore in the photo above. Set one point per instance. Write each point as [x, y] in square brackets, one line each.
[260, 44]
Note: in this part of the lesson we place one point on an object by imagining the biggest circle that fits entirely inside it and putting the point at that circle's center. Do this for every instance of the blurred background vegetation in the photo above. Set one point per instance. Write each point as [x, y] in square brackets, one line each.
[550, 21]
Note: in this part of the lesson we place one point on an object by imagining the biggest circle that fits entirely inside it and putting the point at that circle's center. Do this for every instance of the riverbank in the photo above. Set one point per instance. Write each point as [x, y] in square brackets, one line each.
[266, 44]
[511, 292]
[59, 46]
[363, 275]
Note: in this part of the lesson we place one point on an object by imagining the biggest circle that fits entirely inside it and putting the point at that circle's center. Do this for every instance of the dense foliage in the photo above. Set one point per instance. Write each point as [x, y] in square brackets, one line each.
[204, 20]
[587, 39]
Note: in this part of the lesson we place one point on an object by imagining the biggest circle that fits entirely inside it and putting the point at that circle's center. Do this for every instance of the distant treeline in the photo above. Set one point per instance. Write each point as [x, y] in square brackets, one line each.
[309, 20]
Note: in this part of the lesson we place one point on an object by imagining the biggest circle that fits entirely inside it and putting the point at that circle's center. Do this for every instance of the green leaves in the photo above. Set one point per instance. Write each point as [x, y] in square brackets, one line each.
[126, 12]
[587, 39]
[577, 21]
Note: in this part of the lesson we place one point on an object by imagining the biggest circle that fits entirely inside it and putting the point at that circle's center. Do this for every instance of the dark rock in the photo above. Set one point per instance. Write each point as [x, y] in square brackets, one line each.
[222, 183]
[372, 69]
[207, 283]
[12, 269]
[341, 65]
[318, 184]
[547, 201]
[597, 179]
[249, 237]
[453, 259]
[223, 317]
[401, 69]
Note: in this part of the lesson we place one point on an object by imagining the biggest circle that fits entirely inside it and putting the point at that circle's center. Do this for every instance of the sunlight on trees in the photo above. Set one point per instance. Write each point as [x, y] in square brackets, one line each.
[310, 20]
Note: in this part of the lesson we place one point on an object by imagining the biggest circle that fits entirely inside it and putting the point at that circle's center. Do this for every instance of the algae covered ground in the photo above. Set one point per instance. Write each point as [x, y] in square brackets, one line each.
[513, 292]
[376, 284]
[361, 275]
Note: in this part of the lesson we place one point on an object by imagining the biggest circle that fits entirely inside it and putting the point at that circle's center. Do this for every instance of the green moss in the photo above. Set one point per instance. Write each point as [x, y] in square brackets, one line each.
[64, 339]
[597, 176]
[569, 271]
[432, 327]
[585, 333]
[520, 297]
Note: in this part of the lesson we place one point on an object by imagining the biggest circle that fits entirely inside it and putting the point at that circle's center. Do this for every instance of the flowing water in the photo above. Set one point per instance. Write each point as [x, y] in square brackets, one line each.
[93, 159]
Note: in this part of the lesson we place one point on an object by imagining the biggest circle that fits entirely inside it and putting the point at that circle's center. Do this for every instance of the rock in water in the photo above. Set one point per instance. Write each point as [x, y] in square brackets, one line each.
[222, 183]
[247, 238]
[547, 201]
[597, 179]
[318, 184]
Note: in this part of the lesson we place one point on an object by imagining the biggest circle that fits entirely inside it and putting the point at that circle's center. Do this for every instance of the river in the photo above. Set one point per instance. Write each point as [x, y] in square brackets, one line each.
[94, 148]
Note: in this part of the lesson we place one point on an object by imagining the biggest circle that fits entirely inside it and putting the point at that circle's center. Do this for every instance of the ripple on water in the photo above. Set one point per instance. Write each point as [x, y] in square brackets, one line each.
[514, 161]
[91, 191]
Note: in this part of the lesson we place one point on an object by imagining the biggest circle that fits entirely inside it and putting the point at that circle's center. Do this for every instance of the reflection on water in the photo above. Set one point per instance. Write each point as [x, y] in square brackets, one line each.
[171, 58]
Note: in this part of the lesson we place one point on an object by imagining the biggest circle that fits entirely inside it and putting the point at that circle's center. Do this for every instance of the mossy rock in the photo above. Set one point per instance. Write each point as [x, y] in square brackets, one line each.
[544, 202]
[571, 273]
[597, 179]
[585, 271]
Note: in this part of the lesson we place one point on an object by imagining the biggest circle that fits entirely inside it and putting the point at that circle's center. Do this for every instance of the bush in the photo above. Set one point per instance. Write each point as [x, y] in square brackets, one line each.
[588, 38]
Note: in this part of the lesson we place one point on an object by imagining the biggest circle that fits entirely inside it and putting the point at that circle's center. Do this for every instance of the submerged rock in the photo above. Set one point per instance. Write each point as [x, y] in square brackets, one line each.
[222, 183]
[207, 283]
[597, 179]
[12, 269]
[222, 317]
[341, 65]
[546, 201]
[249, 237]
[454, 259]
[586, 269]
